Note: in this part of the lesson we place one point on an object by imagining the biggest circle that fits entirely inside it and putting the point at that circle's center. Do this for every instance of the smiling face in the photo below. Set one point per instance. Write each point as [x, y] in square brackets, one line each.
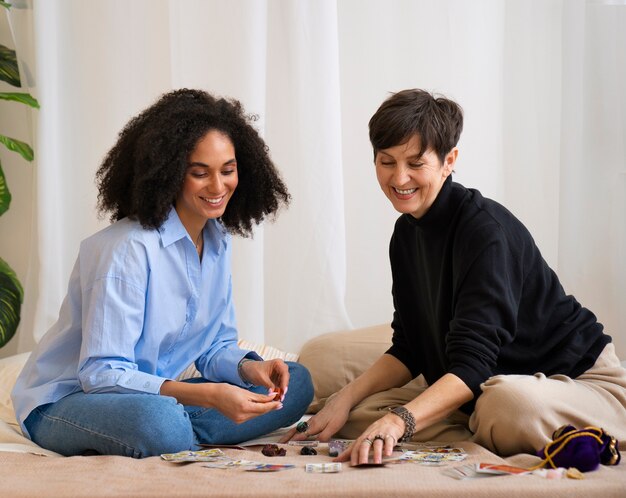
[410, 181]
[210, 181]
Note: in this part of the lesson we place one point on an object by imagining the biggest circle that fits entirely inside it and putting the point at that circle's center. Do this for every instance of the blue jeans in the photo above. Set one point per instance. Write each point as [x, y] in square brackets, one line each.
[143, 425]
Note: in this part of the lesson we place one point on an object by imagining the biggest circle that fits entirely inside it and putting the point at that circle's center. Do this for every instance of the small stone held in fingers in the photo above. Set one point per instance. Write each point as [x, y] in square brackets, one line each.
[279, 394]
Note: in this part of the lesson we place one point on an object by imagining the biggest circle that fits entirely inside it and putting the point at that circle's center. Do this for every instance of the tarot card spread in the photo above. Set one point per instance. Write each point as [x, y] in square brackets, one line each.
[216, 459]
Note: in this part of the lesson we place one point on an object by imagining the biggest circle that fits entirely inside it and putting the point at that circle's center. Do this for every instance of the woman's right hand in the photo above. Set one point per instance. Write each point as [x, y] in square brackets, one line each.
[236, 403]
[241, 405]
[325, 423]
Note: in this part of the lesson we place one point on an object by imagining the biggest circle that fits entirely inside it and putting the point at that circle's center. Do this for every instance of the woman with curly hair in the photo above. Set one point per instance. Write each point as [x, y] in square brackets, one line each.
[151, 293]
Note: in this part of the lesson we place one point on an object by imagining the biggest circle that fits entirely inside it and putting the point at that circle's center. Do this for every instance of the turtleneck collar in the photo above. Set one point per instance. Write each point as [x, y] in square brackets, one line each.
[440, 212]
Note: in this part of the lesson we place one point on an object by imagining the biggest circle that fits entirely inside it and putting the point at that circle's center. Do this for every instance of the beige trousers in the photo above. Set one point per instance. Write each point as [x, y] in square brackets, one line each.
[517, 413]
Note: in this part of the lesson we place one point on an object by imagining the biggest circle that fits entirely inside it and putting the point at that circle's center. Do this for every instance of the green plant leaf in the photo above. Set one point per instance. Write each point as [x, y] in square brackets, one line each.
[5, 195]
[5, 4]
[23, 98]
[9, 71]
[11, 298]
[22, 148]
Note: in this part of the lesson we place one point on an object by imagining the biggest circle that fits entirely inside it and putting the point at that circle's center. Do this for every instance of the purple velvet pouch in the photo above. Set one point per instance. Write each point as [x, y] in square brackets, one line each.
[584, 449]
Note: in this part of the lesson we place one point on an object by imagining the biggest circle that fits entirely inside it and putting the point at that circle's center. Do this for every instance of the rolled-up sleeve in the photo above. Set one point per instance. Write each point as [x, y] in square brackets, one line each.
[112, 324]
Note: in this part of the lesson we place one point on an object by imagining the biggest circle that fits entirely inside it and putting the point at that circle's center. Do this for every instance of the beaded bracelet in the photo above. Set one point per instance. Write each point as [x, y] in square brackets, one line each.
[409, 422]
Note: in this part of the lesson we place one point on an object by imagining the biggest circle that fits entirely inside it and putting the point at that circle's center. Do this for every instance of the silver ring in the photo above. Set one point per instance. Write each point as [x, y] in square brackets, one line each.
[379, 436]
[367, 441]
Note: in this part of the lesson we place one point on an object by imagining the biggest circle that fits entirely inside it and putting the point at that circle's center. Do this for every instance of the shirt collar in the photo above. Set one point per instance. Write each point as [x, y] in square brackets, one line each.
[172, 230]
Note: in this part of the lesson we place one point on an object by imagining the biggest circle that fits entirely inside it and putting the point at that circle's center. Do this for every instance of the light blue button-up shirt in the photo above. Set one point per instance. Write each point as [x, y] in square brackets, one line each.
[140, 308]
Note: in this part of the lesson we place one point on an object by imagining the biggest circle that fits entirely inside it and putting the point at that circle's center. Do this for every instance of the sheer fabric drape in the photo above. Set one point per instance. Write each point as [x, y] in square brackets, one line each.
[541, 83]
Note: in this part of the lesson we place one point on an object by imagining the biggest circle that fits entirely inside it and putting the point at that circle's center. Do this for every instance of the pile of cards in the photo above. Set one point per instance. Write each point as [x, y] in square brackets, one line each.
[434, 455]
[193, 456]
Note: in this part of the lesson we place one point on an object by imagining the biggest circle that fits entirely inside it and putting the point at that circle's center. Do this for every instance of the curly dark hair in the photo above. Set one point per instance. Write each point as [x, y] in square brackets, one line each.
[437, 120]
[143, 173]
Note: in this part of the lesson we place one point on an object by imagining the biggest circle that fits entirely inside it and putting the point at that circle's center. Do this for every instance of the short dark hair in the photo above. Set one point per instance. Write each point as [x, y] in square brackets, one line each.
[437, 121]
[143, 173]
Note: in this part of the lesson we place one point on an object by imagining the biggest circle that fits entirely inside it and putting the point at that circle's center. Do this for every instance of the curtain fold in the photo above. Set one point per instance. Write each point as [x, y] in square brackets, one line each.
[592, 222]
[222, 47]
[541, 83]
[305, 249]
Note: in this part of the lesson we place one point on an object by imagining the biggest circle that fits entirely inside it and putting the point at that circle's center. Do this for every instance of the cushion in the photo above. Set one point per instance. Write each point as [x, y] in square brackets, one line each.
[337, 358]
[9, 370]
[263, 350]
[365, 413]
[267, 352]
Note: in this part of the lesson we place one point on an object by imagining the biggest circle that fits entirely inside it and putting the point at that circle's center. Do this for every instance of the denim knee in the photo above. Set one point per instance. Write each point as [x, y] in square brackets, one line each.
[134, 425]
[160, 426]
[300, 393]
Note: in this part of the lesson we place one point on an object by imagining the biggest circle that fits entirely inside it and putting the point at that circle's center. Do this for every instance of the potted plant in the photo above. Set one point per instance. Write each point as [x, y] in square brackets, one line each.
[11, 292]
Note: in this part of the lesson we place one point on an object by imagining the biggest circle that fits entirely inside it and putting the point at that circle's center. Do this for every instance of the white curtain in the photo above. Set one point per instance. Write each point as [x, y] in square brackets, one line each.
[542, 84]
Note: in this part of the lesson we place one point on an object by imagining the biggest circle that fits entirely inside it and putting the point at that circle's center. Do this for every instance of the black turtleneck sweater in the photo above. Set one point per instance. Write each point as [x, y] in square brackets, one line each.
[474, 297]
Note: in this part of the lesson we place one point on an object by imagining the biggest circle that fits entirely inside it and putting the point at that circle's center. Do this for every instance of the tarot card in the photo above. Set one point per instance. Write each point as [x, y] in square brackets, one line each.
[438, 456]
[193, 456]
[462, 472]
[499, 469]
[322, 468]
[370, 464]
[479, 470]
[270, 467]
[228, 446]
[229, 464]
[439, 449]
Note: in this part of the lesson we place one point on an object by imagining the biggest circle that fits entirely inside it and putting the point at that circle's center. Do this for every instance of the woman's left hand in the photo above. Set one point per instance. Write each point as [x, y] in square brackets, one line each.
[379, 439]
[273, 374]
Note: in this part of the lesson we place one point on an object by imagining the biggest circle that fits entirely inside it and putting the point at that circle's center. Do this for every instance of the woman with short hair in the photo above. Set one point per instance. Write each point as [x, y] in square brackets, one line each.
[505, 352]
